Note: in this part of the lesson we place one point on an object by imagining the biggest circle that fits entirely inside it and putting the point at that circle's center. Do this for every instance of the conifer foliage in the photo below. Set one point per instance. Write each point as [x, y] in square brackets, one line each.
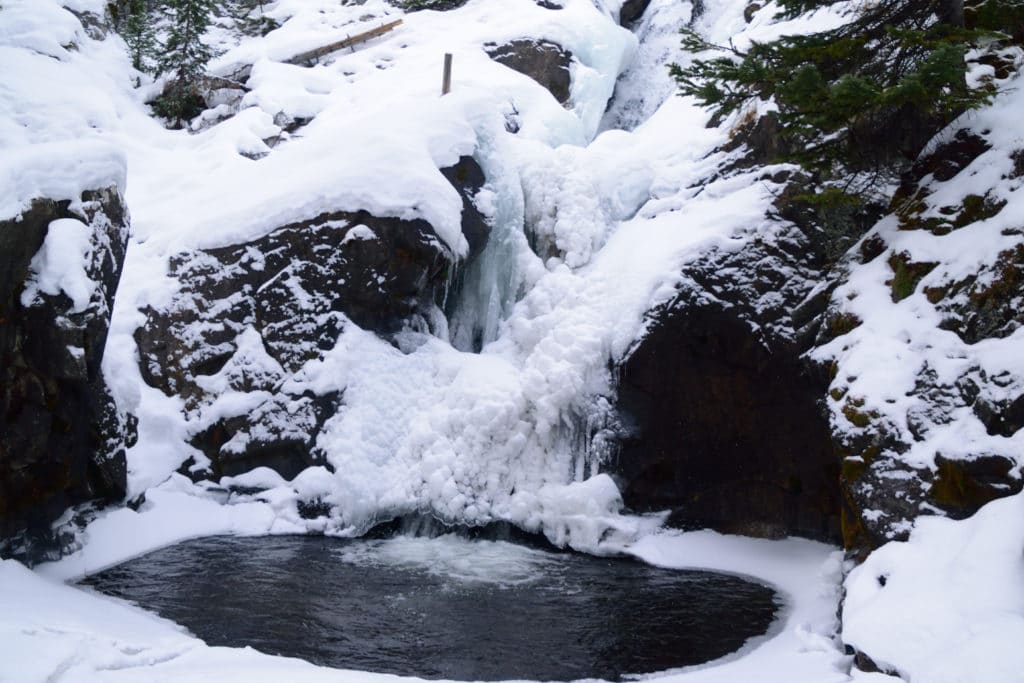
[184, 57]
[856, 99]
[139, 33]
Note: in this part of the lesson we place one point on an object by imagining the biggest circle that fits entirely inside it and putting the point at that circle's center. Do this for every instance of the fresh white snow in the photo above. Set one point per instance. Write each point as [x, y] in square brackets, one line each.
[60, 264]
[946, 606]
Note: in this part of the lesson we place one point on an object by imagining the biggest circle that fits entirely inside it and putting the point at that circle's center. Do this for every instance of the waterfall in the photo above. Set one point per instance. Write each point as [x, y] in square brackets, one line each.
[480, 295]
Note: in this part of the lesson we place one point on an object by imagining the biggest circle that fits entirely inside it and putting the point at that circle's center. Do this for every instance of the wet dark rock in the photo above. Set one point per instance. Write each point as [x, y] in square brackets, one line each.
[543, 61]
[1004, 417]
[946, 160]
[62, 438]
[468, 178]
[728, 430]
[279, 434]
[864, 663]
[632, 10]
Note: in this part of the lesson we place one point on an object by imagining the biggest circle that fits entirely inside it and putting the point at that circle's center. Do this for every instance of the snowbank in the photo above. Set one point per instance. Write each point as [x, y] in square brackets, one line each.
[946, 606]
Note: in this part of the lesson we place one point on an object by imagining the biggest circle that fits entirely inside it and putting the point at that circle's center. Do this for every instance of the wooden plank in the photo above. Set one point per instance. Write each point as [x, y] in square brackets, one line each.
[313, 55]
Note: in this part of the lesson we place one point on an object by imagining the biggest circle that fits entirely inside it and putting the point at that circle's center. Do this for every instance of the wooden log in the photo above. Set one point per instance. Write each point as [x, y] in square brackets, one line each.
[313, 55]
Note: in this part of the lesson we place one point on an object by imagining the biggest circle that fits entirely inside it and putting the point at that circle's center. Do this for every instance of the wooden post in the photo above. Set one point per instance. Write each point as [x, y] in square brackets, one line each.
[446, 82]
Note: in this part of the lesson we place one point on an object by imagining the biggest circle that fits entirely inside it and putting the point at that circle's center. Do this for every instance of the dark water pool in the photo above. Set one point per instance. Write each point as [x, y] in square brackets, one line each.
[444, 607]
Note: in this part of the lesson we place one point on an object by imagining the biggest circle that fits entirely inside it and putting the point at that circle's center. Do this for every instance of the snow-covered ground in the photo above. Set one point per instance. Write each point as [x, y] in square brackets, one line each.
[468, 437]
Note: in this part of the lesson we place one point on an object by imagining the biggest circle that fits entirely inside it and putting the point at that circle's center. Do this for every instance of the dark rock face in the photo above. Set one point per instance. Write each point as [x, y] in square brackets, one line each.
[543, 61]
[467, 177]
[249, 316]
[62, 439]
[728, 430]
[632, 10]
[436, 5]
[252, 314]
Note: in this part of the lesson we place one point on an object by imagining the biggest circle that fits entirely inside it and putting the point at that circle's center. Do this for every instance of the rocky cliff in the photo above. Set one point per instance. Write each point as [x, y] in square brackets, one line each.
[62, 440]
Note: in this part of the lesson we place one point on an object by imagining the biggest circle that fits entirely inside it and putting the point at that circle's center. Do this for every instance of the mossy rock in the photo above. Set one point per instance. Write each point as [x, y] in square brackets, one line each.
[961, 487]
[842, 323]
[989, 304]
[977, 208]
[906, 275]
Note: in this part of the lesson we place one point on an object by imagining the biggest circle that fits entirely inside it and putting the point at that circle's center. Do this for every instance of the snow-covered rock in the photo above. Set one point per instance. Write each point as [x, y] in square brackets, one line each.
[543, 61]
[62, 438]
[247, 317]
[925, 337]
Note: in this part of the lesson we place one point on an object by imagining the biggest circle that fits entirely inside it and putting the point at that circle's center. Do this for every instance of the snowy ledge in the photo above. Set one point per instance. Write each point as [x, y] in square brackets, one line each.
[58, 171]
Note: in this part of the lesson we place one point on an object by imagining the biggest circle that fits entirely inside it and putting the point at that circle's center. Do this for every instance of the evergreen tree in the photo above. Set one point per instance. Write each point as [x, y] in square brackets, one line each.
[140, 35]
[857, 99]
[185, 57]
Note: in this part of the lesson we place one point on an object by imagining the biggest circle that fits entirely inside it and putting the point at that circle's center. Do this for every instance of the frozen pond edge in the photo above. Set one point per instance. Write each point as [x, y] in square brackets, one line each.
[52, 631]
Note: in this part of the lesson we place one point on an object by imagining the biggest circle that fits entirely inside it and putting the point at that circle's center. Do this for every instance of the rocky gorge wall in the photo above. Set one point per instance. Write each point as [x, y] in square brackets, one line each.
[62, 438]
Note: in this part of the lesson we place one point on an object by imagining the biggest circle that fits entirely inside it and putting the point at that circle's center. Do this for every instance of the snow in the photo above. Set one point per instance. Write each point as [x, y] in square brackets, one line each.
[60, 265]
[59, 170]
[946, 606]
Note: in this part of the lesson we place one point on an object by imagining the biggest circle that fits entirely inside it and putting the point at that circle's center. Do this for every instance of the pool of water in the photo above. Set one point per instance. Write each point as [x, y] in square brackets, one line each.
[444, 607]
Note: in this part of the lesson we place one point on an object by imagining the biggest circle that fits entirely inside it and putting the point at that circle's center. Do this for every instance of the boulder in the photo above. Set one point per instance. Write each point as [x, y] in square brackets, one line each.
[724, 417]
[632, 10]
[248, 316]
[62, 439]
[543, 61]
